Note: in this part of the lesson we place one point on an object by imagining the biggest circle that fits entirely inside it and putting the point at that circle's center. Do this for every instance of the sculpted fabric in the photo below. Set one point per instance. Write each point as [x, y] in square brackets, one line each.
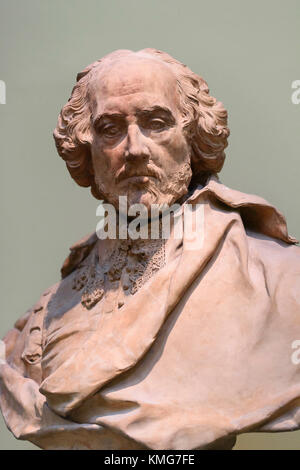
[185, 352]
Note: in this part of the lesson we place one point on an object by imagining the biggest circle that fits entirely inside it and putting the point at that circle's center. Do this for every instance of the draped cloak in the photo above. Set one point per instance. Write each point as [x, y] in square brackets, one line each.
[205, 350]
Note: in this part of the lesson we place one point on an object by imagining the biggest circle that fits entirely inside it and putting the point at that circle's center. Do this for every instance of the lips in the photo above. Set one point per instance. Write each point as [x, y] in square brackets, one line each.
[138, 176]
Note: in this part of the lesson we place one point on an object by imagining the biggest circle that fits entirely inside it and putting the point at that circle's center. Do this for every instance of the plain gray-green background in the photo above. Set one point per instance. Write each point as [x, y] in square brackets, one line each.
[248, 51]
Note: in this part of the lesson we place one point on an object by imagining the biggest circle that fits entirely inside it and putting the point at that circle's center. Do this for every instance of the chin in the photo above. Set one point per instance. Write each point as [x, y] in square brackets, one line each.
[148, 198]
[162, 193]
[145, 197]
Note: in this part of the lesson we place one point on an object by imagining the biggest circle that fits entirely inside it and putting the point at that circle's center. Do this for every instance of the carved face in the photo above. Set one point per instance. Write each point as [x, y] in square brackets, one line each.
[138, 147]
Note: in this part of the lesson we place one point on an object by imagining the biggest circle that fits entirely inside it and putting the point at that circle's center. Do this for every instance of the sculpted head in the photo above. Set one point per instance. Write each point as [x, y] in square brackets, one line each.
[141, 125]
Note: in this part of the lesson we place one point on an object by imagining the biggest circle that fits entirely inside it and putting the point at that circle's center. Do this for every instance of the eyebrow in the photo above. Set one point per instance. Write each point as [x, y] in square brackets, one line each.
[156, 108]
[142, 113]
[100, 117]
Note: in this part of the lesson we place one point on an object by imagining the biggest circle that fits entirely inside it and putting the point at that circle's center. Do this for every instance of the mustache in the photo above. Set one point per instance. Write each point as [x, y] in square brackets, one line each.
[129, 171]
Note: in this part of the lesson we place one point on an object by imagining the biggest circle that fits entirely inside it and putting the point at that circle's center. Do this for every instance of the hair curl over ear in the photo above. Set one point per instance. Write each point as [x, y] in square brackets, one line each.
[204, 120]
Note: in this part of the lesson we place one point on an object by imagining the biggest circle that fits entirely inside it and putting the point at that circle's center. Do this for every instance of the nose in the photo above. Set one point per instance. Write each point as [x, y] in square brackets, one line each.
[136, 145]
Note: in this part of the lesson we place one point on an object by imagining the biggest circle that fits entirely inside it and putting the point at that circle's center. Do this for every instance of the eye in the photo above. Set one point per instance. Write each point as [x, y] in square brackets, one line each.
[110, 130]
[156, 124]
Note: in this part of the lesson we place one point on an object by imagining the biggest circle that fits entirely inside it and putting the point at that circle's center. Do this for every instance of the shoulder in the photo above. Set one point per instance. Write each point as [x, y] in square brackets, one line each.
[23, 343]
[78, 252]
[257, 214]
[280, 265]
[274, 252]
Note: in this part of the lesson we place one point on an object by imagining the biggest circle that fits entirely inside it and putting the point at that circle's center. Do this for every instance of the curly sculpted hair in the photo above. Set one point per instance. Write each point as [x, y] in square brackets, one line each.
[204, 121]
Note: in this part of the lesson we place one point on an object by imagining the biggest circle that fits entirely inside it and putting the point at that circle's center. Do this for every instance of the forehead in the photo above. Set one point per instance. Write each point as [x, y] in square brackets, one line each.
[132, 84]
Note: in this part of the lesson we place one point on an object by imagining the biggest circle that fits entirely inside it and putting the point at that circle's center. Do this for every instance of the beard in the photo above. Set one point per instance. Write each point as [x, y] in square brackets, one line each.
[160, 189]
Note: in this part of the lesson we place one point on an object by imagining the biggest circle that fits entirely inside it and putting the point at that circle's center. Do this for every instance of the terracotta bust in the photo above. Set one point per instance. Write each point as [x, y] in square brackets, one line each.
[146, 343]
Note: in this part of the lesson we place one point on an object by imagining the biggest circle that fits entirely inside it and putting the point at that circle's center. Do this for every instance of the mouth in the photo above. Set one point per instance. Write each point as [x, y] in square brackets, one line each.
[139, 179]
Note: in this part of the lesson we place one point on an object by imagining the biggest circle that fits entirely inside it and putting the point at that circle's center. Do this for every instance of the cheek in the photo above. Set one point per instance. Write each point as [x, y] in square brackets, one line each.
[107, 159]
[173, 147]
